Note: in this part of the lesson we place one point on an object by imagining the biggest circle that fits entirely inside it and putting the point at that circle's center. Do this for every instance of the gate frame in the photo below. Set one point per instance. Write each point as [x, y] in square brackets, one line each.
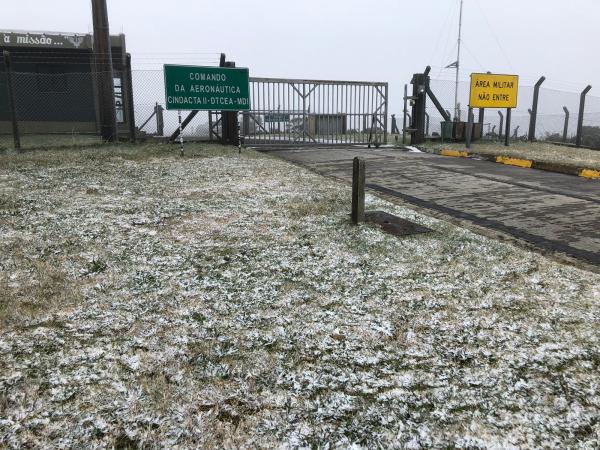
[303, 88]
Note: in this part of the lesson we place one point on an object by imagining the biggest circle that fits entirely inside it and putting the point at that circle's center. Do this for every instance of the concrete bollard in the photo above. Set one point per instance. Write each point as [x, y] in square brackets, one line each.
[358, 190]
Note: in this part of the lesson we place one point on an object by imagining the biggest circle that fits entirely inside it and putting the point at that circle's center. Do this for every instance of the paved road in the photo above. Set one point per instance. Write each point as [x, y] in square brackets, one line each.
[550, 210]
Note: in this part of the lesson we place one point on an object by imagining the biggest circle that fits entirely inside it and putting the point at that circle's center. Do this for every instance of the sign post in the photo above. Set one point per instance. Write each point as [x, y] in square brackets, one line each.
[180, 132]
[196, 88]
[495, 91]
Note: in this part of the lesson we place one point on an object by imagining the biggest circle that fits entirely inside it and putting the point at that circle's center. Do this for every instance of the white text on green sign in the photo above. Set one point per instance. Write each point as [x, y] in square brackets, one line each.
[206, 88]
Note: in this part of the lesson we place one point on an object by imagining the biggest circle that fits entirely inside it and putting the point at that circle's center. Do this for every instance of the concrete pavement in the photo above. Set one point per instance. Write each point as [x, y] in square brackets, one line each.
[552, 211]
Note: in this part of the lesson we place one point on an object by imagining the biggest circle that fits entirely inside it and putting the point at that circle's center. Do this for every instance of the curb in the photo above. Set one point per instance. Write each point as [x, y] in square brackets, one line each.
[583, 172]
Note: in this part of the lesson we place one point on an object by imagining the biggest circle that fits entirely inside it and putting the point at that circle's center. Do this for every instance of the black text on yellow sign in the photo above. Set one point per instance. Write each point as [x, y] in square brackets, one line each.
[493, 91]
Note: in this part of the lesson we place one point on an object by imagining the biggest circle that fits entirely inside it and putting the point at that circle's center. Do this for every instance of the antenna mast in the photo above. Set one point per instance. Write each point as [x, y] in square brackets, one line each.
[456, 111]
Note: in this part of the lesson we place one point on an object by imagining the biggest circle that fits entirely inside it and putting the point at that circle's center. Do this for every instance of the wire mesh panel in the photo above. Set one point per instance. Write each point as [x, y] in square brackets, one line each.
[153, 119]
[558, 113]
[311, 112]
[52, 109]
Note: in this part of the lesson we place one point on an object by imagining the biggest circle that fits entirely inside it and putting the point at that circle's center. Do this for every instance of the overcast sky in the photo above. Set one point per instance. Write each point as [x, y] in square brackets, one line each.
[375, 40]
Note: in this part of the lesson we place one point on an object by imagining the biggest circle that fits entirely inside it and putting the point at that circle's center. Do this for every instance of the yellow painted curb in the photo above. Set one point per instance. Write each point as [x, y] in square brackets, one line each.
[455, 153]
[590, 173]
[526, 163]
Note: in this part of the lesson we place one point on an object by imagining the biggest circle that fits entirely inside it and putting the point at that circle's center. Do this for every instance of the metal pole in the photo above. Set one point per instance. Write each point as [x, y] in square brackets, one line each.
[103, 58]
[500, 128]
[239, 136]
[456, 109]
[580, 118]
[426, 124]
[385, 116]
[534, 108]
[482, 112]
[11, 100]
[469, 130]
[404, 117]
[130, 105]
[566, 128]
[507, 132]
[180, 132]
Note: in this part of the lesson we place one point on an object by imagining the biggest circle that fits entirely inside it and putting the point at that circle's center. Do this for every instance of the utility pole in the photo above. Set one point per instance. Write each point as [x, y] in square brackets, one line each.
[104, 71]
[456, 110]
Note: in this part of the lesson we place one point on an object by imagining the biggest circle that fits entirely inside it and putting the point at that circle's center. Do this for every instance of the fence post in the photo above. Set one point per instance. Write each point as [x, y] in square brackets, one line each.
[11, 100]
[160, 124]
[534, 108]
[130, 105]
[385, 116]
[469, 130]
[358, 190]
[507, 131]
[426, 124]
[566, 128]
[581, 111]
[404, 116]
[501, 127]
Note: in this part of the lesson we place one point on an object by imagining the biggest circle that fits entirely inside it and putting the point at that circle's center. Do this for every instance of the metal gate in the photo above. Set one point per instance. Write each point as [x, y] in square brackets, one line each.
[314, 112]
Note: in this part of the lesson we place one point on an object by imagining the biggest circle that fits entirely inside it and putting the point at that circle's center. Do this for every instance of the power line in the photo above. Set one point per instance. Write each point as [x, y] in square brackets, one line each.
[494, 35]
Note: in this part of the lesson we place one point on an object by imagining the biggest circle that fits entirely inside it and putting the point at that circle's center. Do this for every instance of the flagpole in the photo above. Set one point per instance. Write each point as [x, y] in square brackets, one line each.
[456, 111]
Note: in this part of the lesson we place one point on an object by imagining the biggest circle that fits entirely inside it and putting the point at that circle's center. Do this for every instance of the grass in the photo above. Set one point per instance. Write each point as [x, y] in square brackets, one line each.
[224, 299]
[537, 151]
[36, 141]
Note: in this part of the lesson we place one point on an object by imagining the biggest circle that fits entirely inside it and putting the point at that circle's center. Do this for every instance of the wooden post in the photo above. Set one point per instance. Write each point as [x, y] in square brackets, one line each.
[103, 60]
[358, 190]
[160, 123]
[11, 100]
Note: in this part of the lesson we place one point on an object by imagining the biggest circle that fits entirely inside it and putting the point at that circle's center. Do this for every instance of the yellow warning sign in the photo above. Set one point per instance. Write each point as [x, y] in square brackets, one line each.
[494, 91]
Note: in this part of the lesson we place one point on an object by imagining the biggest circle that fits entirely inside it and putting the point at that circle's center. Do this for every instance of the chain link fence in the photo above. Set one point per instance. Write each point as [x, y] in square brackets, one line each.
[551, 117]
[148, 93]
[57, 108]
[61, 109]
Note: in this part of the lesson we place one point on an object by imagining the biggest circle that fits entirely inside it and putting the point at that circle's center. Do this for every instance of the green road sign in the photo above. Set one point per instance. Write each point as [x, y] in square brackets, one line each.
[206, 88]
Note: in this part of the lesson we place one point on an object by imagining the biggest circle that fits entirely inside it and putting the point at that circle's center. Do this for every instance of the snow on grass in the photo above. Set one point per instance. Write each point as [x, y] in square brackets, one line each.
[224, 300]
